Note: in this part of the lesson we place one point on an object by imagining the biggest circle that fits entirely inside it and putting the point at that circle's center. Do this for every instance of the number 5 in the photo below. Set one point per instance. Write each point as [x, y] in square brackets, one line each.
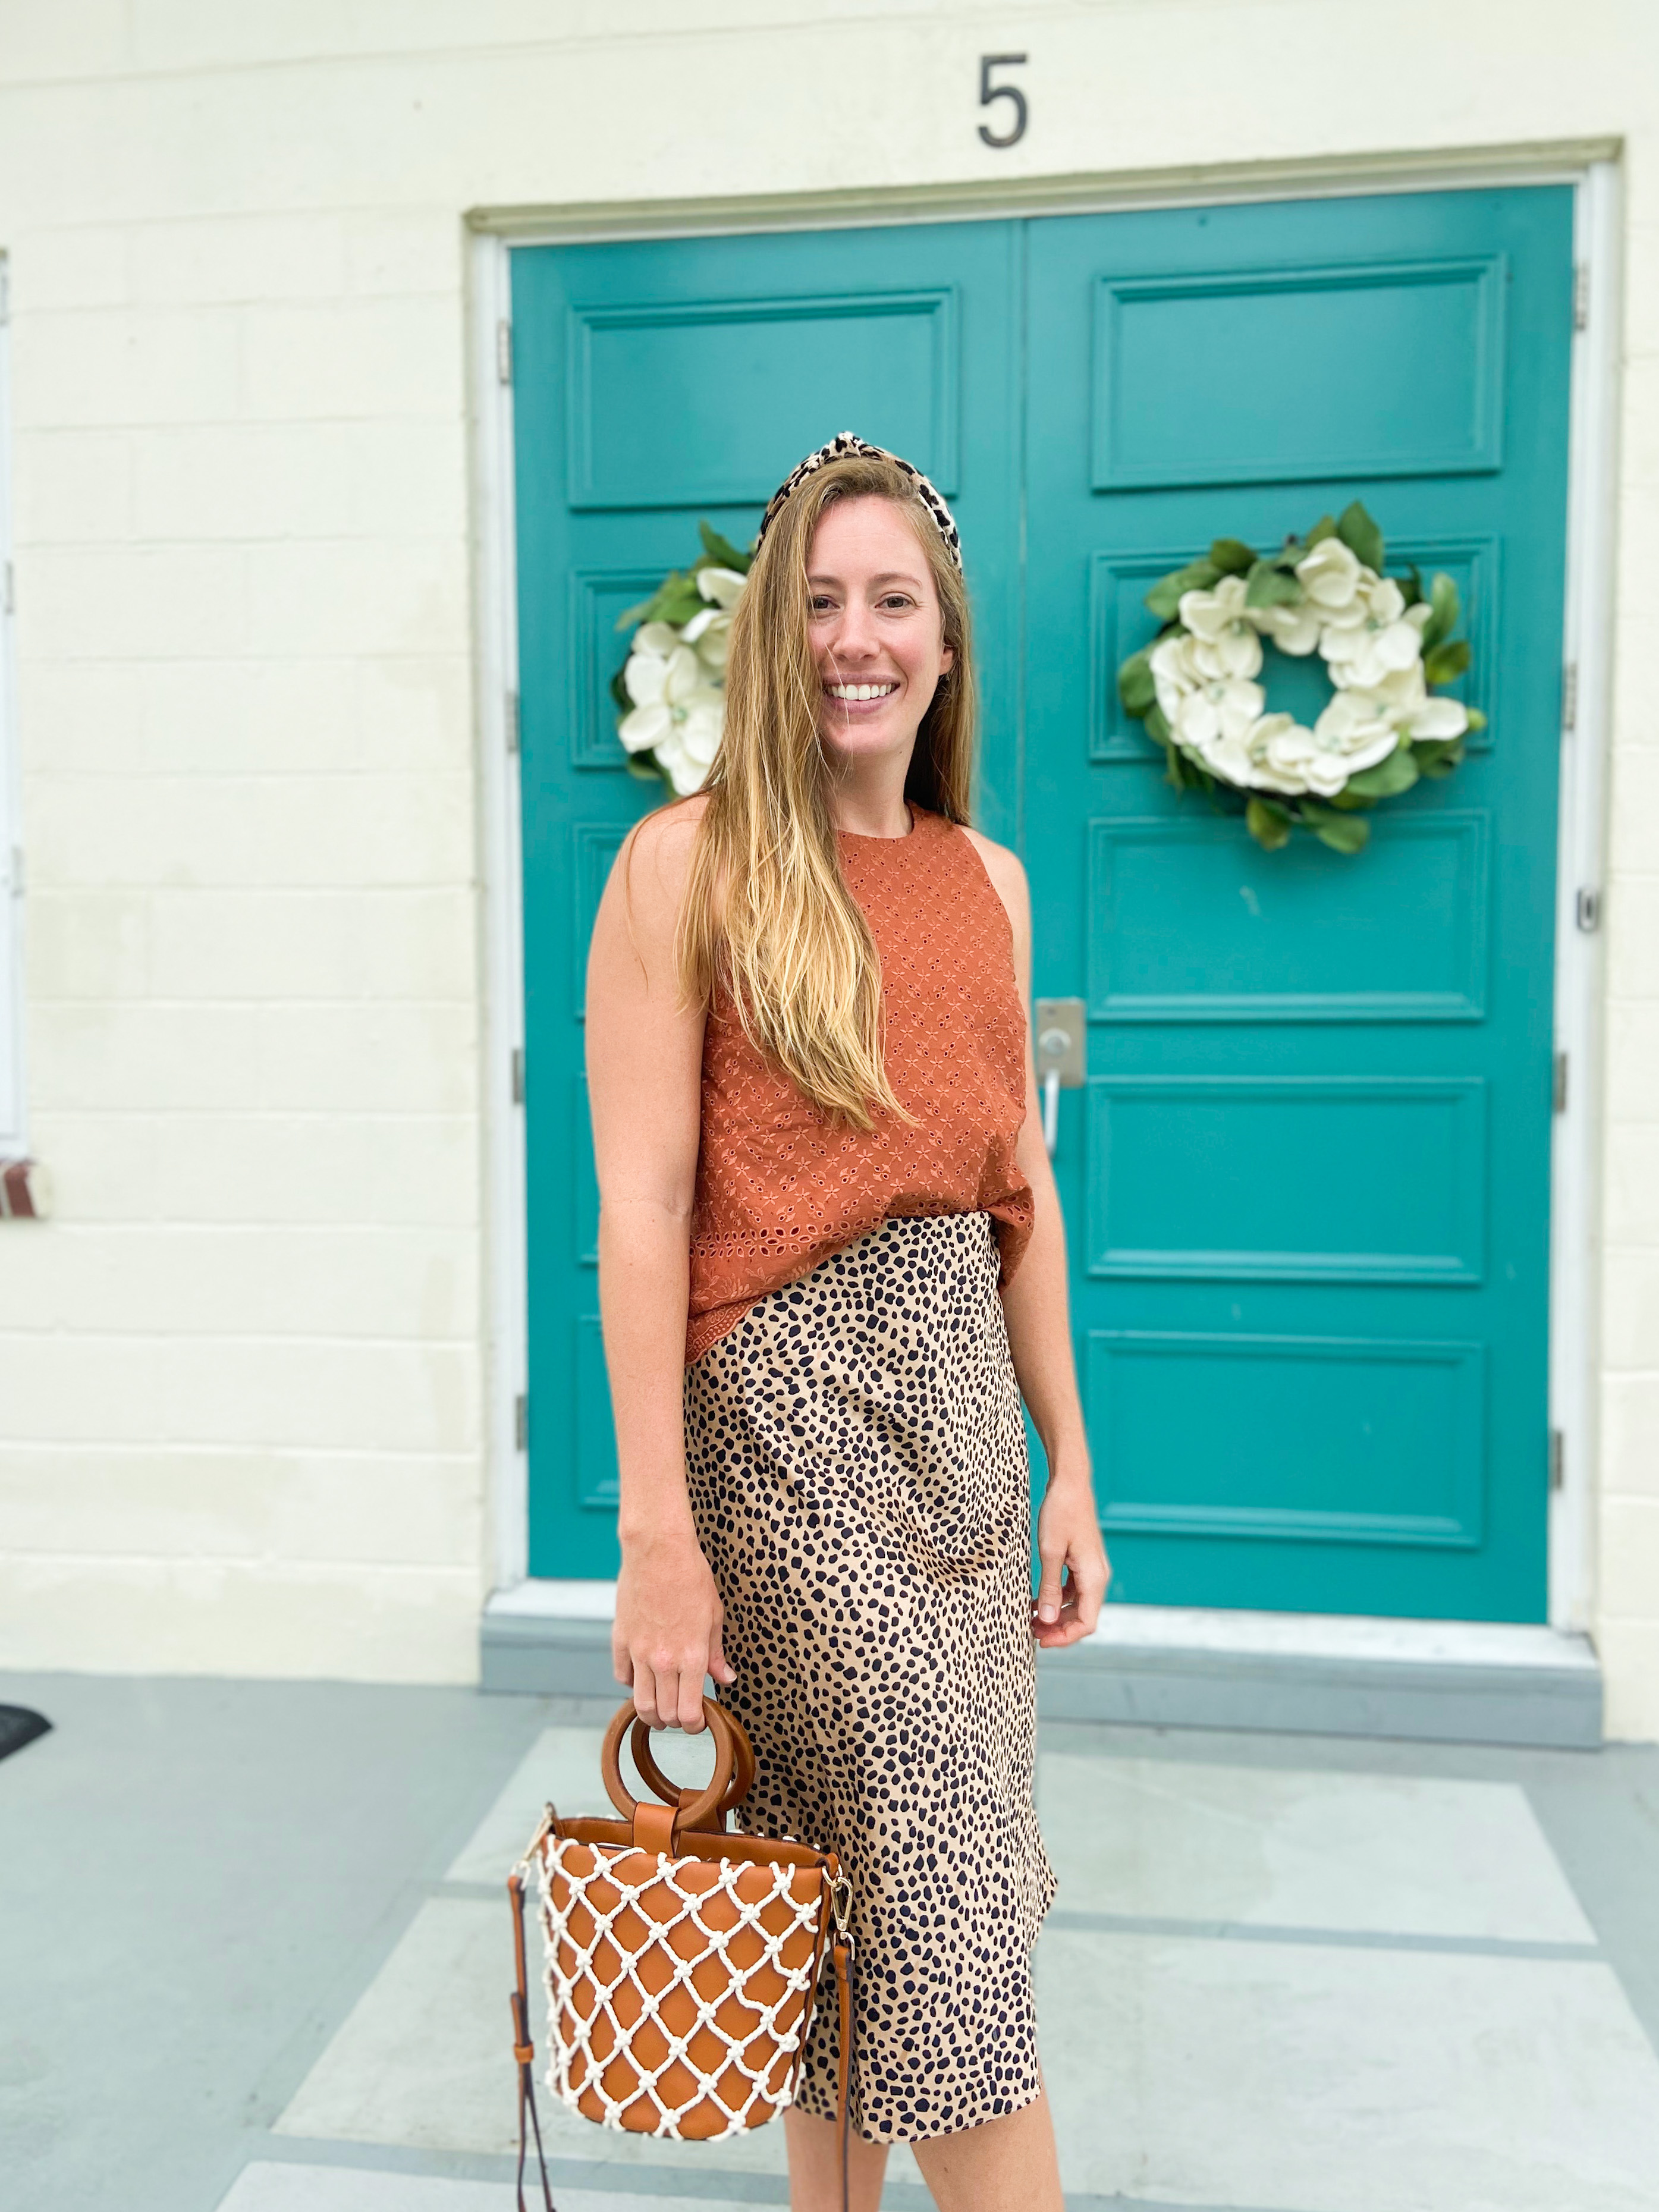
[988, 92]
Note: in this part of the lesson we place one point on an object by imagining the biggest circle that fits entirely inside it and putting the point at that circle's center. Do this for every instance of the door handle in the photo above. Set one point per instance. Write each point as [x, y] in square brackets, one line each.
[1062, 1031]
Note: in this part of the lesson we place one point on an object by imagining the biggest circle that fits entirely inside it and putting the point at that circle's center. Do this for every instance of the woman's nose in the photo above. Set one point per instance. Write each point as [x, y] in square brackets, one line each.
[854, 635]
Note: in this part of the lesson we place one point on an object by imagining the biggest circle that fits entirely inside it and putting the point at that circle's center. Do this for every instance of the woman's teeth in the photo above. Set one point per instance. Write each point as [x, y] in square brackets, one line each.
[859, 690]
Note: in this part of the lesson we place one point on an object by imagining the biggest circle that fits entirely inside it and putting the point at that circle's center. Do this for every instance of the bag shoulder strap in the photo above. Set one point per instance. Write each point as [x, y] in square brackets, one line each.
[524, 2048]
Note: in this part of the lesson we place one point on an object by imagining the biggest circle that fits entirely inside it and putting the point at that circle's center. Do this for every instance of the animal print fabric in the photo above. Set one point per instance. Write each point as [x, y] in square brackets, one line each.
[858, 1477]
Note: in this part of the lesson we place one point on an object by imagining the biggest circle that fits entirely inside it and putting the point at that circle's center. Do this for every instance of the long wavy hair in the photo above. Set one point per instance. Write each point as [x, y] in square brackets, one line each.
[767, 916]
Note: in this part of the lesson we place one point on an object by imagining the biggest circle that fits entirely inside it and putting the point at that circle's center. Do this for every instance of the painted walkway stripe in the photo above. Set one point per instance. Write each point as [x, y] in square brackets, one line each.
[1353, 1938]
[622, 2186]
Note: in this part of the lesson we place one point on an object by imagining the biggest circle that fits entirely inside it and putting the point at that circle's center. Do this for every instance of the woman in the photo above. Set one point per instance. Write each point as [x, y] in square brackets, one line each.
[829, 1243]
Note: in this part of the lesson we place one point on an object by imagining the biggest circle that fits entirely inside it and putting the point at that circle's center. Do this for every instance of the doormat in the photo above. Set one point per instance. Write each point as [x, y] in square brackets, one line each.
[19, 1726]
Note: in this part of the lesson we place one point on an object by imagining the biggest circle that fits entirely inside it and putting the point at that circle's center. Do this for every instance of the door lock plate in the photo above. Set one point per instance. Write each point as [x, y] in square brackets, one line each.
[1062, 1035]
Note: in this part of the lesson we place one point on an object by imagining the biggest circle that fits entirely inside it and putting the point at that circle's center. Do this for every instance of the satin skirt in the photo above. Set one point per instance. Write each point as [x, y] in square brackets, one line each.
[858, 1477]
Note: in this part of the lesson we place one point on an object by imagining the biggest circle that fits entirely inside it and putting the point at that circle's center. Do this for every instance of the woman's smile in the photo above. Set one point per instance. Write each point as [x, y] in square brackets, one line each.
[858, 701]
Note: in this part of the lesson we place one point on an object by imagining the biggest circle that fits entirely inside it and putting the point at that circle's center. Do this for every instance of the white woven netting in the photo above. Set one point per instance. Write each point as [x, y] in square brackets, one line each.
[626, 1931]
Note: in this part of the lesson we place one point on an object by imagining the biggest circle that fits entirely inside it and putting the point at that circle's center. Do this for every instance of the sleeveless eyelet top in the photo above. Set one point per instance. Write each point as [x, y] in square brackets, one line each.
[779, 1184]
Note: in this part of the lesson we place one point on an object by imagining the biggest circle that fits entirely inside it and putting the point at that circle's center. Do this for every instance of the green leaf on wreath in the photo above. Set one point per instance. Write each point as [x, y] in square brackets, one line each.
[722, 553]
[1231, 556]
[1164, 597]
[1411, 585]
[1270, 585]
[643, 766]
[1135, 687]
[1398, 773]
[1443, 607]
[1324, 528]
[1438, 756]
[1268, 825]
[625, 705]
[1447, 660]
[1476, 719]
[1361, 535]
[1157, 725]
[1343, 833]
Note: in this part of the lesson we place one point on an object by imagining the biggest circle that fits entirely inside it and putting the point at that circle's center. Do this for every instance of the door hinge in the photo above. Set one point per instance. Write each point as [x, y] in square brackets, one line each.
[504, 351]
[1570, 696]
[15, 881]
[11, 590]
[521, 1423]
[511, 718]
[1586, 910]
[1558, 1459]
[517, 1075]
[1559, 1093]
[1581, 295]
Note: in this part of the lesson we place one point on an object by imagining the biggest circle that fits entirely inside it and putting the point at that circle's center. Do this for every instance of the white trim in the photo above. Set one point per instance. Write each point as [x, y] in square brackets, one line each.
[1170, 1628]
[502, 937]
[1564, 161]
[544, 1598]
[1581, 864]
[1591, 167]
[14, 1119]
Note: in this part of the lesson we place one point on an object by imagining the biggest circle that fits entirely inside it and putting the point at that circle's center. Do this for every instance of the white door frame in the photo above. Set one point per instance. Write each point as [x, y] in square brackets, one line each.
[1591, 168]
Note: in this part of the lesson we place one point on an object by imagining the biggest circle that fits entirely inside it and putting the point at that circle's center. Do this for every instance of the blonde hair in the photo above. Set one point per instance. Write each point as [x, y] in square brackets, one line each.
[767, 915]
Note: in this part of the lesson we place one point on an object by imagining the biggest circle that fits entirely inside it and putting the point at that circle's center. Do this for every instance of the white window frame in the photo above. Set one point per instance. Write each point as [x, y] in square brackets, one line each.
[1591, 167]
[12, 1130]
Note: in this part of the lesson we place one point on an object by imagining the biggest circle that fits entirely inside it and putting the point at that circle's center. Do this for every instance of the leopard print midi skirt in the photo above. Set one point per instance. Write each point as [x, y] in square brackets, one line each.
[858, 1477]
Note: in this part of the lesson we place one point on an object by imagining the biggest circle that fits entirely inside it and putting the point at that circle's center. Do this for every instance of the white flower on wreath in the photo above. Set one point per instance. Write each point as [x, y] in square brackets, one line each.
[1386, 640]
[1225, 642]
[676, 679]
[678, 714]
[1405, 698]
[1331, 575]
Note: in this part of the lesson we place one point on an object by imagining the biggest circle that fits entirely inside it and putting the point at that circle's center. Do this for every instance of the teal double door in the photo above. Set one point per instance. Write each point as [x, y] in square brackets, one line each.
[1306, 1182]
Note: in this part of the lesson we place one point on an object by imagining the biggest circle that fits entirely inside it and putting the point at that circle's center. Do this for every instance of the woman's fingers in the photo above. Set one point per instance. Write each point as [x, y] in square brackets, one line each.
[690, 1700]
[645, 1694]
[1051, 1597]
[719, 1665]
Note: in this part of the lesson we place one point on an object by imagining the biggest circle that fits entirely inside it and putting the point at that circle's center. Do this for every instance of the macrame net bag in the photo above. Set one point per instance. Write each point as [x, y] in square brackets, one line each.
[680, 1962]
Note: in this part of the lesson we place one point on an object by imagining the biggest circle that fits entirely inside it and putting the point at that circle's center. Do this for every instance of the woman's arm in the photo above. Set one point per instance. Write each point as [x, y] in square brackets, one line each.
[1037, 1303]
[644, 1087]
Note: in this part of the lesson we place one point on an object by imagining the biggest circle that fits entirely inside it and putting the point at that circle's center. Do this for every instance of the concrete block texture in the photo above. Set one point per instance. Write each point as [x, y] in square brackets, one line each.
[247, 649]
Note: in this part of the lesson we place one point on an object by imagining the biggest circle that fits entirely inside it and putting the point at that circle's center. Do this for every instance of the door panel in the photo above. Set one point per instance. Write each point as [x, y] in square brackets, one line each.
[655, 385]
[1308, 1180]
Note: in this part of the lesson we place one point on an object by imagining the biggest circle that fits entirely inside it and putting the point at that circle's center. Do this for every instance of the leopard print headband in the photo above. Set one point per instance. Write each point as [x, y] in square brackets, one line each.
[844, 447]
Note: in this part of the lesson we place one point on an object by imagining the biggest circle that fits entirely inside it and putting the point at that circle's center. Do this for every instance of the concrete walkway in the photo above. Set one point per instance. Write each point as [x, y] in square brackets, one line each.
[253, 1958]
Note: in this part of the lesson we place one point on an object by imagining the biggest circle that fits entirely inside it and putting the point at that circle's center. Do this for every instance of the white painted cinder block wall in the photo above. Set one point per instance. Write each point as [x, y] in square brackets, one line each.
[242, 1370]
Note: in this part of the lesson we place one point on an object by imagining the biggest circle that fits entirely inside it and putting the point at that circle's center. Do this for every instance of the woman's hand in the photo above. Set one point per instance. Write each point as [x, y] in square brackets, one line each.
[666, 1635]
[1075, 1568]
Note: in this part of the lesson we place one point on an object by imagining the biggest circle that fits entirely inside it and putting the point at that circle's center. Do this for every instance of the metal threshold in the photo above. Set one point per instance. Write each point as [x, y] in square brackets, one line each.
[1455, 1681]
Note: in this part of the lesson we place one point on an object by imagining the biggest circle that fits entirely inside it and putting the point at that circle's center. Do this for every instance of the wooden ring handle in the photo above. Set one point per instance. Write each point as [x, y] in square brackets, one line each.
[742, 1778]
[726, 1732]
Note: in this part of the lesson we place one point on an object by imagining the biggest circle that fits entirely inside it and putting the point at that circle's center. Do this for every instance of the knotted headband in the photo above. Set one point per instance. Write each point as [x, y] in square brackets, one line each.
[846, 447]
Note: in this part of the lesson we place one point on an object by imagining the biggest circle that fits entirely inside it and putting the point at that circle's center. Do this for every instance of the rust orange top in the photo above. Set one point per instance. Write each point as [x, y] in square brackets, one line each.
[780, 1185]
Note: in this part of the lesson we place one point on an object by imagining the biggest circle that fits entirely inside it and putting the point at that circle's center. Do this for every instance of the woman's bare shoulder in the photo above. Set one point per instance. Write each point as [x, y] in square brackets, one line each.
[655, 858]
[1006, 872]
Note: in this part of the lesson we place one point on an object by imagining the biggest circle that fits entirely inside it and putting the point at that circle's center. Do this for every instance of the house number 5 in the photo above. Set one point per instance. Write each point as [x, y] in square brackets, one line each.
[988, 92]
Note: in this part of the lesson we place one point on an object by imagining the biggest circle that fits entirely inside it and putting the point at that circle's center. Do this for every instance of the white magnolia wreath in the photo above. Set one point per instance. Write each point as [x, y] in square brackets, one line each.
[1384, 642]
[670, 691]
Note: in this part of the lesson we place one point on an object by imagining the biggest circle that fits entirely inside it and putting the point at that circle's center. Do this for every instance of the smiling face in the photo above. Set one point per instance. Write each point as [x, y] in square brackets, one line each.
[875, 629]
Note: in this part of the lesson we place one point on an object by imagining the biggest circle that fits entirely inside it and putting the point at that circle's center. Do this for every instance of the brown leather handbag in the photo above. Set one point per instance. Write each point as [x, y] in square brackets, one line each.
[681, 1962]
